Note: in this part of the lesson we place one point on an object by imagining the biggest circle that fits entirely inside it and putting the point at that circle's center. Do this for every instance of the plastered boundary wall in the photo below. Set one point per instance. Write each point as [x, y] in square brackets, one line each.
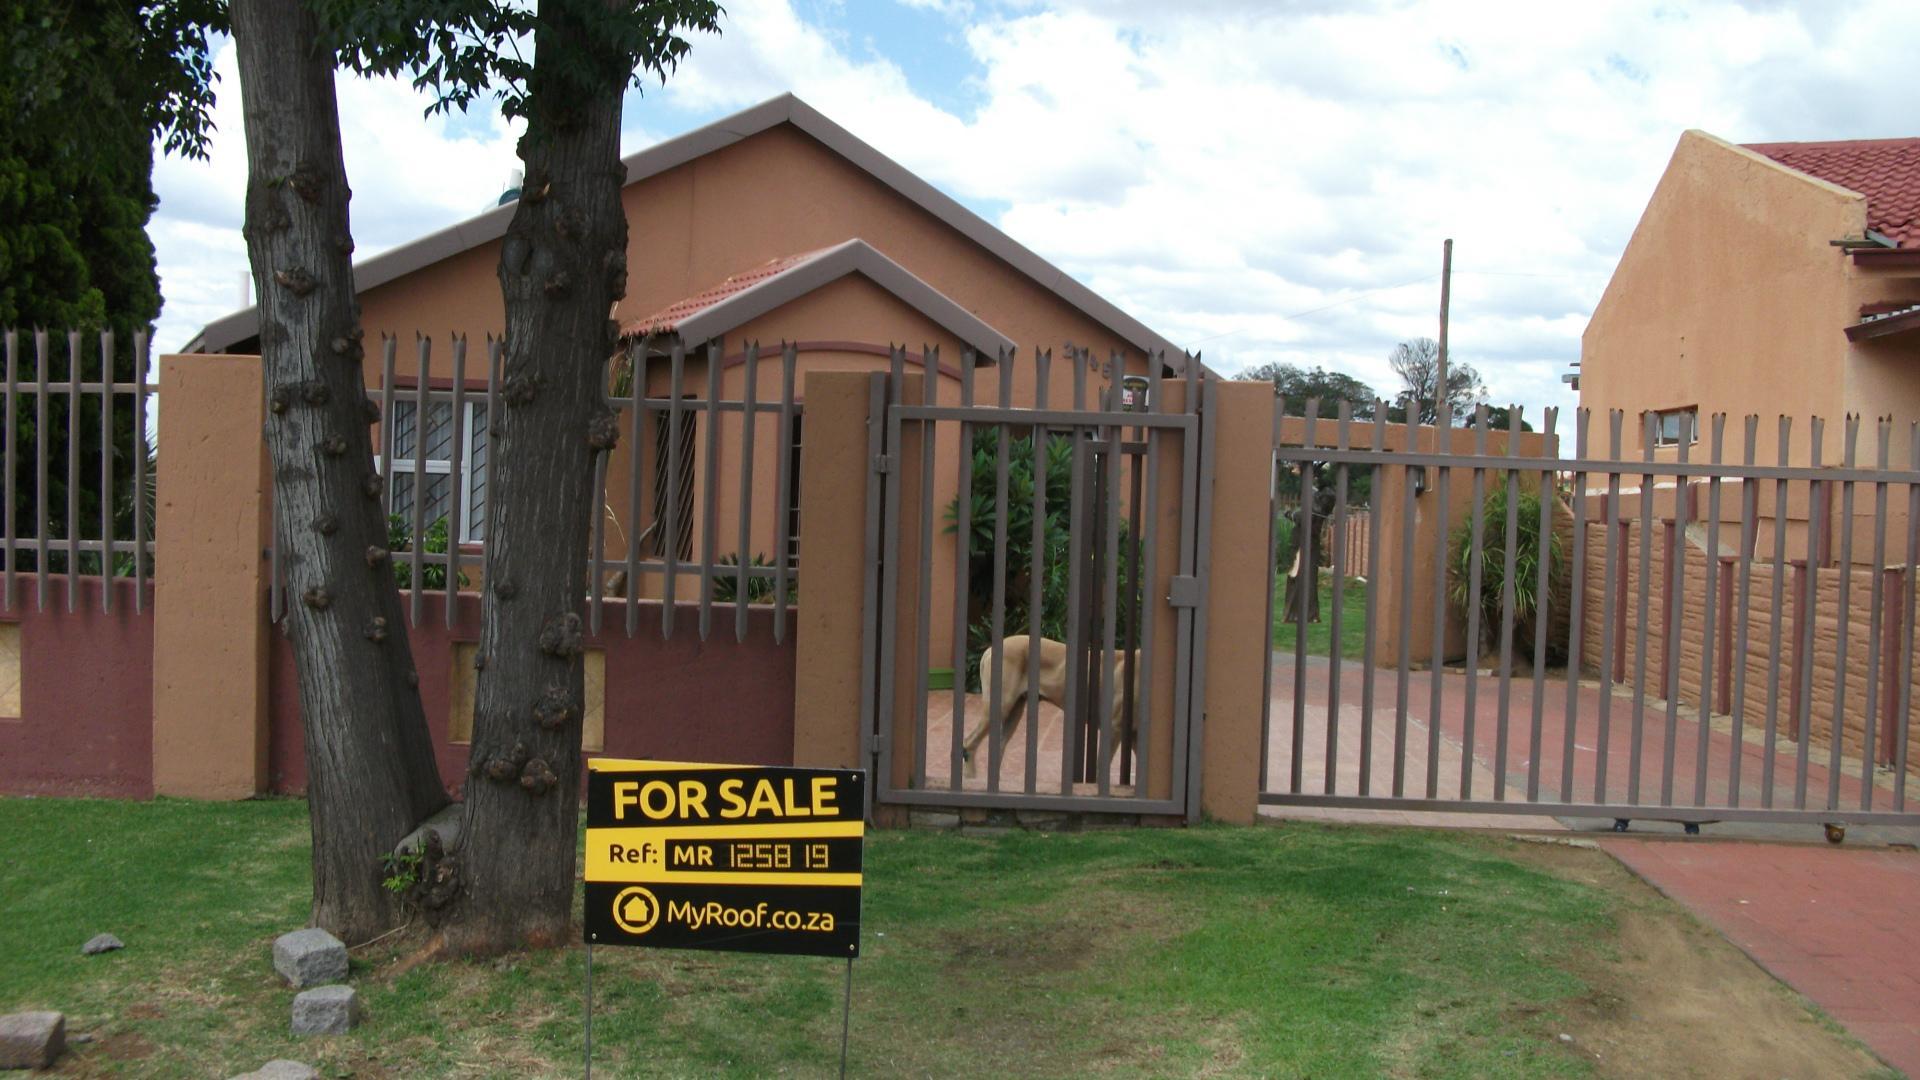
[225, 715]
[224, 720]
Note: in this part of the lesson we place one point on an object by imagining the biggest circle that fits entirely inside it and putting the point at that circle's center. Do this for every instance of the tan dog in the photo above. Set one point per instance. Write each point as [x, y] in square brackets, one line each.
[1018, 652]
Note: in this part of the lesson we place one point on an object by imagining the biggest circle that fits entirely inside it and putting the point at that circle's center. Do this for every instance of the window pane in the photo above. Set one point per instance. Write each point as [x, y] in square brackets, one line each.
[477, 477]
[438, 487]
[439, 432]
[403, 415]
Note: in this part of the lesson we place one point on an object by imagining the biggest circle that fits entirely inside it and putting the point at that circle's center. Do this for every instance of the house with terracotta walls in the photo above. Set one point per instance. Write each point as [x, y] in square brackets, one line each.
[774, 225]
[1777, 284]
[1770, 278]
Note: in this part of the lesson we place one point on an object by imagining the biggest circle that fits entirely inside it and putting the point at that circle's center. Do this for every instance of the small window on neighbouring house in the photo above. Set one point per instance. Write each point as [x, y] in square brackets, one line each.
[1674, 426]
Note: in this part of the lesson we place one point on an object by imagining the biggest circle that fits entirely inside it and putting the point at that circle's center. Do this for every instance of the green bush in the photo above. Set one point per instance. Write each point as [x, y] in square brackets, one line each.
[399, 543]
[760, 590]
[1526, 570]
[1056, 561]
[1283, 545]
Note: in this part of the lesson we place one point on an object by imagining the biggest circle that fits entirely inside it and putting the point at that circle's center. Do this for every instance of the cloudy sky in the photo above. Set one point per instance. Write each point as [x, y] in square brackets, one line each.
[1255, 180]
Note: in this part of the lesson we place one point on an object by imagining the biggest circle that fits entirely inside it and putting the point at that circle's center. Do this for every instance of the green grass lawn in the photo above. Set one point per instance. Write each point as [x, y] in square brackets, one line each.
[1353, 619]
[1298, 951]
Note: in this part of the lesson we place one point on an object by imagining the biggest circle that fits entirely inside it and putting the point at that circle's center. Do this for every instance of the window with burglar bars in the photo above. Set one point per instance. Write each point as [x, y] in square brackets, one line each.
[681, 487]
[793, 502]
[430, 478]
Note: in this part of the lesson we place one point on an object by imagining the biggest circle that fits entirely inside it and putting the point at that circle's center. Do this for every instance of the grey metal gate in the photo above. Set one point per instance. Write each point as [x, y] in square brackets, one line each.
[1085, 521]
[1709, 640]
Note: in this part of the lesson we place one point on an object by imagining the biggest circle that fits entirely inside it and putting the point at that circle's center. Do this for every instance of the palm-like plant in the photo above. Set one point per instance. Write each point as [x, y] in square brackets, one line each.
[1493, 565]
[1055, 555]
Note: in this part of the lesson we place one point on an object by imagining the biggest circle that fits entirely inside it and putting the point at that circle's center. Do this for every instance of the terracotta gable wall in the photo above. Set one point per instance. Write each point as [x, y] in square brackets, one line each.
[765, 197]
[1729, 297]
[780, 192]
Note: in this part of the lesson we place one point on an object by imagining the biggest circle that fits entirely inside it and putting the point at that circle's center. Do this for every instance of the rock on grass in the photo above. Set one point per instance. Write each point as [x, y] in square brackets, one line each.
[282, 1069]
[309, 957]
[32, 1040]
[326, 1010]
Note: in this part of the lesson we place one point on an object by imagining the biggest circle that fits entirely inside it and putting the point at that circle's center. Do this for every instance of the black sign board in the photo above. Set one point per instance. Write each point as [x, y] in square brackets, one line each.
[734, 857]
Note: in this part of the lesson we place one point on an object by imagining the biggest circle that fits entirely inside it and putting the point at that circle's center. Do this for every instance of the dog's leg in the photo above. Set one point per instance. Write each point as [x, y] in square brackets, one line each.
[1008, 719]
[995, 709]
[1123, 724]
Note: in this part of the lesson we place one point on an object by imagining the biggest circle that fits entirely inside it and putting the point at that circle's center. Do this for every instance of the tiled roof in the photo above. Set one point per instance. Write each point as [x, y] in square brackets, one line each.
[750, 294]
[668, 319]
[1886, 171]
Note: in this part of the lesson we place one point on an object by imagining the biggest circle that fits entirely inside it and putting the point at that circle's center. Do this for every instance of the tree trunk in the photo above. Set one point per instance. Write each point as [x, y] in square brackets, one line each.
[370, 768]
[562, 266]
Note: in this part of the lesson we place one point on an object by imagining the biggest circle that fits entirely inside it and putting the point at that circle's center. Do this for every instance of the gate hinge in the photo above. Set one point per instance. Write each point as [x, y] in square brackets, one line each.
[883, 463]
[1183, 592]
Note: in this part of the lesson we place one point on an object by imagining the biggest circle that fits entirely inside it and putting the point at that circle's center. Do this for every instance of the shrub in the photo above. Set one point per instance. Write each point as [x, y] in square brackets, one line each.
[725, 585]
[435, 543]
[1526, 570]
[1056, 560]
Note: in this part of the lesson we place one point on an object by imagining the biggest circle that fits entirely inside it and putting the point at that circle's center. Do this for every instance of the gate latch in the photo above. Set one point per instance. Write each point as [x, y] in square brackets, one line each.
[883, 463]
[1183, 592]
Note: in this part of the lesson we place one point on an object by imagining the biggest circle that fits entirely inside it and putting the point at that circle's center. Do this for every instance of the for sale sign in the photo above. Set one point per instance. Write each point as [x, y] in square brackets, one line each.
[743, 858]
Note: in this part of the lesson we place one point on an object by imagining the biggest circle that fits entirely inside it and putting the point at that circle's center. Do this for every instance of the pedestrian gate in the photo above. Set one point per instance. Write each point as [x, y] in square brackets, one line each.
[1084, 525]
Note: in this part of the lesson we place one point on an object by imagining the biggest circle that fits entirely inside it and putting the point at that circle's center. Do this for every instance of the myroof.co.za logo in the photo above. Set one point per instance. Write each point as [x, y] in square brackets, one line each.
[635, 910]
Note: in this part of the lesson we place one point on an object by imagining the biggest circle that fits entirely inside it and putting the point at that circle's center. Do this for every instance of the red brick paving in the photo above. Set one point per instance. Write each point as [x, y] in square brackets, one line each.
[1732, 774]
[1840, 926]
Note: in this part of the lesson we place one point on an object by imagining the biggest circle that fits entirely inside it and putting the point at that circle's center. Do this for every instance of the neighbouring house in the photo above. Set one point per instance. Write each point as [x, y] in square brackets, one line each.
[1771, 279]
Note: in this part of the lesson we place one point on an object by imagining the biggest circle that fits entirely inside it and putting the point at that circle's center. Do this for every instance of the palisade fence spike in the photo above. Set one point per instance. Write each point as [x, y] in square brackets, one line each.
[106, 472]
[73, 470]
[417, 491]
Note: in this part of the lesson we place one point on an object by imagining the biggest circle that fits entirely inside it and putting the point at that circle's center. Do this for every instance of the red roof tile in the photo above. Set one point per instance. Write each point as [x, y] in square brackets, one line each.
[1886, 171]
[669, 318]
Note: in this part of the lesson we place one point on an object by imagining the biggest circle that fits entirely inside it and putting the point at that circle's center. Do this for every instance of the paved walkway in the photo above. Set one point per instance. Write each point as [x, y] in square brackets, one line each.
[1578, 746]
[1840, 925]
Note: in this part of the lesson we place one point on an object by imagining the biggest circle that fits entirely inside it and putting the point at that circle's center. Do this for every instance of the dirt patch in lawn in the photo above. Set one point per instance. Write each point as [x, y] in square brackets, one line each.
[1671, 997]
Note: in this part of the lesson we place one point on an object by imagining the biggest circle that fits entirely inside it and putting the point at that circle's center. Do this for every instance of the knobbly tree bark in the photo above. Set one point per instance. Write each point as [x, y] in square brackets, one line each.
[370, 766]
[562, 266]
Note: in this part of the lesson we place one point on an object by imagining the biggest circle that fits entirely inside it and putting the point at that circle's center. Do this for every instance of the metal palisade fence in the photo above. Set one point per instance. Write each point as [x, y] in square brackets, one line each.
[657, 533]
[79, 466]
[1634, 634]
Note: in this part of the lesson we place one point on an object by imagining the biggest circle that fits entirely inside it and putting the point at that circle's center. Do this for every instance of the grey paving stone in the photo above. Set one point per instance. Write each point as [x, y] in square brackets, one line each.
[32, 1040]
[309, 957]
[326, 1010]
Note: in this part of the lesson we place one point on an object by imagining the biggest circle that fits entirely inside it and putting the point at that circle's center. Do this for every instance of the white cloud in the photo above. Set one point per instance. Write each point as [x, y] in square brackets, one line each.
[1267, 181]
[409, 175]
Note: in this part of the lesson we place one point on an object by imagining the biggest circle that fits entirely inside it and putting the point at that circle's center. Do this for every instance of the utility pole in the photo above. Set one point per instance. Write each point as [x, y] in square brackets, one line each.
[1441, 419]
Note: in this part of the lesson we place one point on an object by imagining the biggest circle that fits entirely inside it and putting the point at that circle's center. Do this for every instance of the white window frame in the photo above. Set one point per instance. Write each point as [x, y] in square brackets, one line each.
[443, 466]
[1689, 415]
